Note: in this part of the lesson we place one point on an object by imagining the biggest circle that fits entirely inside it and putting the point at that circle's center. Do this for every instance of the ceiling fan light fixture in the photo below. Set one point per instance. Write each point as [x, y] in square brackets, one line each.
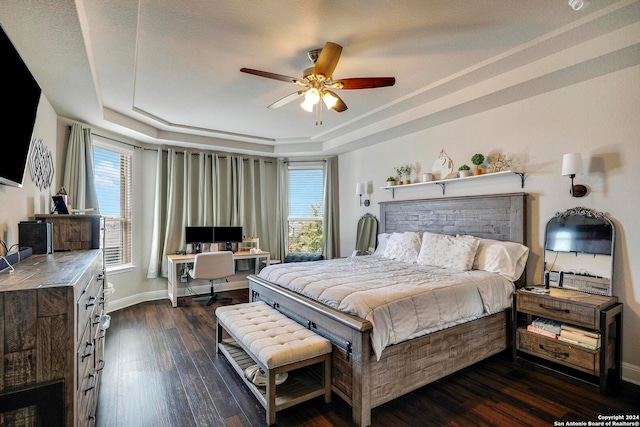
[307, 106]
[312, 96]
[329, 99]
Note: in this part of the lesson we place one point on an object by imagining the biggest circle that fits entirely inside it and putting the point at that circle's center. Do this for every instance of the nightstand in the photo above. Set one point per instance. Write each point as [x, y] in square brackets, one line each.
[596, 369]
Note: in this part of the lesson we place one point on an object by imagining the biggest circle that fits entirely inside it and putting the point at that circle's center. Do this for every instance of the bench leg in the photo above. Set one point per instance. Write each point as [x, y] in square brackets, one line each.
[218, 336]
[327, 378]
[271, 396]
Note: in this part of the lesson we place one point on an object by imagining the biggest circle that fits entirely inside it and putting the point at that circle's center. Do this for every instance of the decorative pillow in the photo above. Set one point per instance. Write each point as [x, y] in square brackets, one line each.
[502, 257]
[403, 246]
[442, 250]
[383, 239]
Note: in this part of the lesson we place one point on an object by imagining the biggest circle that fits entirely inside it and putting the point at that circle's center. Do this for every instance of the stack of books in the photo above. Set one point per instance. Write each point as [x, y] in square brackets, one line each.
[579, 336]
[547, 327]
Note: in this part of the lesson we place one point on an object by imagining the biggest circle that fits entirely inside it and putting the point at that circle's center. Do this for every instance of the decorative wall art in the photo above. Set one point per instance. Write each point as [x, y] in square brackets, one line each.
[443, 166]
[500, 163]
[41, 165]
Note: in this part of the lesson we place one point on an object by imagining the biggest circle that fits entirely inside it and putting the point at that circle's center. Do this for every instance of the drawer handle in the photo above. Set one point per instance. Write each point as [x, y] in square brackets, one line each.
[91, 303]
[555, 353]
[101, 362]
[97, 321]
[93, 347]
[546, 307]
[94, 380]
[102, 334]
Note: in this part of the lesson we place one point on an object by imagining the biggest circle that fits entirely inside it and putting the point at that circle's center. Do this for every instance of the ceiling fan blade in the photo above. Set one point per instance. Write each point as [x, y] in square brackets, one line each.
[328, 60]
[287, 99]
[269, 75]
[364, 82]
[339, 106]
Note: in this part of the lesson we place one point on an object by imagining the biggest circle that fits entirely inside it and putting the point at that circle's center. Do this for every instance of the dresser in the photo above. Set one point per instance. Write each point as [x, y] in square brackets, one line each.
[52, 339]
[72, 232]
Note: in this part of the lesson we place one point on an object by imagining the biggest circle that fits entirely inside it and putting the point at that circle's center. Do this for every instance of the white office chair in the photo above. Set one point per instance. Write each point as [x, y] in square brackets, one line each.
[213, 266]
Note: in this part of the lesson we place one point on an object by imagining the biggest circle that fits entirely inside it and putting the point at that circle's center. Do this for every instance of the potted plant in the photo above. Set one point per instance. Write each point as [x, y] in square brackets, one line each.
[407, 173]
[391, 181]
[400, 172]
[464, 171]
[477, 159]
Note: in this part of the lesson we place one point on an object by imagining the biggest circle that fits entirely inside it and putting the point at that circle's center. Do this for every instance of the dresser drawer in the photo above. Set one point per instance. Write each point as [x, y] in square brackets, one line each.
[89, 298]
[577, 357]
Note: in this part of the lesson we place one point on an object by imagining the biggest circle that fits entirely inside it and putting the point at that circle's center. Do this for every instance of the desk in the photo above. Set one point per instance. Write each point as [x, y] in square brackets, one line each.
[175, 261]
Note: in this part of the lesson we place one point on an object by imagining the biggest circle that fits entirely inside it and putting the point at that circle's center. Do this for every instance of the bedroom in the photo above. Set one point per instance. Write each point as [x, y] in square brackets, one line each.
[594, 113]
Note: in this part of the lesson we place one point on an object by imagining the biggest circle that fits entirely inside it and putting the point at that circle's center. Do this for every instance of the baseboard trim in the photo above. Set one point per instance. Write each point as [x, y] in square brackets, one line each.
[120, 303]
[630, 373]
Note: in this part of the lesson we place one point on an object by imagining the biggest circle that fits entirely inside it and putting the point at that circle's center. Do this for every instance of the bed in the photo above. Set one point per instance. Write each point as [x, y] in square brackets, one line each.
[369, 367]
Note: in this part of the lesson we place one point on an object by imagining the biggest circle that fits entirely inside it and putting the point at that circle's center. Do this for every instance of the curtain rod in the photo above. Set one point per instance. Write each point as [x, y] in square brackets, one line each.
[267, 159]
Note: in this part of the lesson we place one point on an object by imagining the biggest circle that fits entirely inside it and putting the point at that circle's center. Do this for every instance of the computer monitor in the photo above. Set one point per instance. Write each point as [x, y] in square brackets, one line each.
[227, 235]
[197, 235]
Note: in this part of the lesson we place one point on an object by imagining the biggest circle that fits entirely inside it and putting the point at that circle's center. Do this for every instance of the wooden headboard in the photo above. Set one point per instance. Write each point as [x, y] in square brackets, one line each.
[495, 216]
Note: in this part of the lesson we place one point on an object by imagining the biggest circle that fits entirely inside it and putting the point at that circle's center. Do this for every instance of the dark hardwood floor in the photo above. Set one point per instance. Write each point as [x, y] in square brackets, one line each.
[162, 370]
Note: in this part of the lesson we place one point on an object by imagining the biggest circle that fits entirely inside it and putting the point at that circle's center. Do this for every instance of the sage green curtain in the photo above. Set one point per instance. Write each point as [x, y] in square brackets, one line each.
[282, 210]
[331, 220]
[79, 179]
[209, 189]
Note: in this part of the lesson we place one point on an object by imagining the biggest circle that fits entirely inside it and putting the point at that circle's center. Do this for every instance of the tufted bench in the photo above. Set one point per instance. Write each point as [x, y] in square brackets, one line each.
[259, 334]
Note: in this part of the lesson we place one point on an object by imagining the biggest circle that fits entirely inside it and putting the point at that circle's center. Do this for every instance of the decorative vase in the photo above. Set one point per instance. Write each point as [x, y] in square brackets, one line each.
[464, 173]
[391, 183]
[477, 171]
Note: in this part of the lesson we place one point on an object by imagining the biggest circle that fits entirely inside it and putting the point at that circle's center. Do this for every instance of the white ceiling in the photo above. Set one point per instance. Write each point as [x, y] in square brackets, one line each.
[167, 72]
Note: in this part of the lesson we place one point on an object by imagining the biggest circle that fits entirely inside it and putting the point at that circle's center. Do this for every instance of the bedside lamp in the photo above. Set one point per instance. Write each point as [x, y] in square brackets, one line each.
[572, 166]
[360, 189]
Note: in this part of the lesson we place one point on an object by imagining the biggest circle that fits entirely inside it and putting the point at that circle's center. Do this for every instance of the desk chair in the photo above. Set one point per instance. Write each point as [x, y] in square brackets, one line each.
[213, 266]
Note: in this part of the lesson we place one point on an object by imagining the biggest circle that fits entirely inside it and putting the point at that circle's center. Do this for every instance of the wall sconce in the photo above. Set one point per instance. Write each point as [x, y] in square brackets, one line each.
[360, 189]
[572, 166]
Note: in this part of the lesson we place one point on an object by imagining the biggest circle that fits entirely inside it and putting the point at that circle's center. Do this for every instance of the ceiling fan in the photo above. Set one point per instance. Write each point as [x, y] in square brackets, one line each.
[318, 82]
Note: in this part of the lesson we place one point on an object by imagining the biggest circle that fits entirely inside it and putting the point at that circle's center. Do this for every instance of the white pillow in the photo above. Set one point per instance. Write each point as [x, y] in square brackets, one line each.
[502, 257]
[404, 246]
[383, 239]
[445, 251]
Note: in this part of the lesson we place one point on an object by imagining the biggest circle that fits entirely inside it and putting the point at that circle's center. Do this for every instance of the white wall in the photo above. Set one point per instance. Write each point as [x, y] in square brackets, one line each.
[598, 118]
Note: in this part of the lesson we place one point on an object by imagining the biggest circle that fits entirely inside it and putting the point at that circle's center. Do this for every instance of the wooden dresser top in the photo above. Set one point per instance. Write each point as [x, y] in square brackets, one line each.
[57, 269]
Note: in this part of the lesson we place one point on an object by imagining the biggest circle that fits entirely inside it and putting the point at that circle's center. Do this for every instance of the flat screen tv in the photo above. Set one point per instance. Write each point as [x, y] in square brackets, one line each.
[19, 116]
[197, 235]
[581, 234]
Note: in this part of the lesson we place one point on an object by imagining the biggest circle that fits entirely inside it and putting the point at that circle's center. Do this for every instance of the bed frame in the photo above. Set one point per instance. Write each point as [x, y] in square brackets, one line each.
[360, 379]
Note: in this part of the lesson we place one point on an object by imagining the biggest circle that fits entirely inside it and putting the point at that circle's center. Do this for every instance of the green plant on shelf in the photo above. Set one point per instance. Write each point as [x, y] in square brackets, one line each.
[464, 167]
[477, 159]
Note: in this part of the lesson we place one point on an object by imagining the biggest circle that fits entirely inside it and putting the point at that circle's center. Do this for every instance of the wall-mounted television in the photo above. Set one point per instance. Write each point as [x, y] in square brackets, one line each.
[581, 234]
[197, 235]
[227, 235]
[19, 117]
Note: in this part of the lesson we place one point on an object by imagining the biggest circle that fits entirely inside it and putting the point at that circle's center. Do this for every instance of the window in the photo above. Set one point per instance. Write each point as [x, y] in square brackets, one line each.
[306, 207]
[113, 185]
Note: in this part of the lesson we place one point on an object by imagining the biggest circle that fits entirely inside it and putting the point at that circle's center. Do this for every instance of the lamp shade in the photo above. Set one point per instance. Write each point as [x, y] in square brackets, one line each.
[572, 164]
[359, 188]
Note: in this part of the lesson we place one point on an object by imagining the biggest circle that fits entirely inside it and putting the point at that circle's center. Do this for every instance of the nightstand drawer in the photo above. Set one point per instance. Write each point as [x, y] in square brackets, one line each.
[578, 309]
[576, 357]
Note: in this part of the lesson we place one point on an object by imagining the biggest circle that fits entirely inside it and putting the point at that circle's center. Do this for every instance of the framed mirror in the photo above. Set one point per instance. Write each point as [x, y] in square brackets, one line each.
[366, 235]
[578, 251]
